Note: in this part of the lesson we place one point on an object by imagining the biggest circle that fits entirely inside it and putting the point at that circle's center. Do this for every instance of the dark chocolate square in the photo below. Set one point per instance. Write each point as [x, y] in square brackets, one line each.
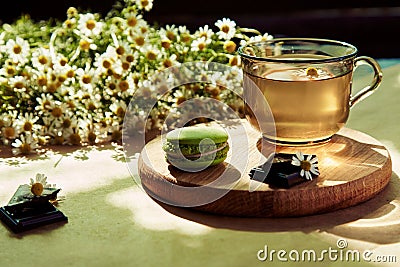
[281, 174]
[31, 218]
[26, 211]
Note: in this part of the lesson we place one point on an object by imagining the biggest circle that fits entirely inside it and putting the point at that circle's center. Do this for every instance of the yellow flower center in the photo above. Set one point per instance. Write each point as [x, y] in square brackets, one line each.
[52, 88]
[25, 149]
[28, 126]
[129, 58]
[57, 112]
[120, 50]
[166, 44]
[91, 106]
[180, 100]
[84, 45]
[170, 35]
[61, 78]
[144, 3]
[92, 137]
[120, 112]
[233, 61]
[311, 71]
[59, 140]
[70, 73]
[90, 24]
[230, 46]
[86, 79]
[225, 28]
[75, 139]
[132, 21]
[9, 132]
[112, 86]
[69, 24]
[66, 123]
[126, 65]
[63, 61]
[201, 46]
[42, 81]
[106, 63]
[305, 165]
[19, 85]
[186, 37]
[151, 55]
[37, 189]
[139, 41]
[72, 12]
[70, 104]
[10, 70]
[123, 86]
[203, 34]
[167, 63]
[17, 49]
[42, 59]
[215, 91]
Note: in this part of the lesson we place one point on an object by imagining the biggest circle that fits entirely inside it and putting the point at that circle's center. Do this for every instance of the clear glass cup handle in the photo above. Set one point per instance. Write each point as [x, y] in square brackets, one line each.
[369, 89]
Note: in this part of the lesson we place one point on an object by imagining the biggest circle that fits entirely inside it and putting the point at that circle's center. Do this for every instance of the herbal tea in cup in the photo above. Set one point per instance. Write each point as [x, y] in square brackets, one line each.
[307, 85]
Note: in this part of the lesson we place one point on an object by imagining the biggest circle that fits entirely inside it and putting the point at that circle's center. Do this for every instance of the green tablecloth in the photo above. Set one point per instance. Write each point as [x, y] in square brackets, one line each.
[113, 222]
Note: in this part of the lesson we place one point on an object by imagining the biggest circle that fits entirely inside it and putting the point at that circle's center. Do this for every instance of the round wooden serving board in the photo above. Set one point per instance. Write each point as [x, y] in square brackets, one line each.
[353, 166]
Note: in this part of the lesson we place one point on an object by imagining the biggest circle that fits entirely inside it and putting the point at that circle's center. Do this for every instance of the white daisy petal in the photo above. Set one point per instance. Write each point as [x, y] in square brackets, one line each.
[302, 173]
[314, 170]
[314, 160]
[300, 155]
[309, 157]
[308, 175]
[295, 162]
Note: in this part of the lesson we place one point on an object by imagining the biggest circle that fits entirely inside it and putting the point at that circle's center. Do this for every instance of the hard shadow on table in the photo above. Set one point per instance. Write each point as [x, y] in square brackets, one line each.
[36, 231]
[376, 220]
[81, 153]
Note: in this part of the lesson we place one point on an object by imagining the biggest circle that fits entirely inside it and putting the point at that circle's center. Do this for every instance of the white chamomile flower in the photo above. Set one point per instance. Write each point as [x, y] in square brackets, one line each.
[205, 32]
[200, 44]
[89, 25]
[145, 4]
[25, 145]
[308, 165]
[41, 58]
[39, 184]
[18, 50]
[227, 28]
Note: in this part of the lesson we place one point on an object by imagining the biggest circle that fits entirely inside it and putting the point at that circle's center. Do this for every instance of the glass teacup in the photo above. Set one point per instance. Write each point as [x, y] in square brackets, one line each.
[307, 84]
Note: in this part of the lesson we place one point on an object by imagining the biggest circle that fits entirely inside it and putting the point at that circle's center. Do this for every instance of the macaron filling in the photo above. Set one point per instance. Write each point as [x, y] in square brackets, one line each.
[196, 147]
[193, 151]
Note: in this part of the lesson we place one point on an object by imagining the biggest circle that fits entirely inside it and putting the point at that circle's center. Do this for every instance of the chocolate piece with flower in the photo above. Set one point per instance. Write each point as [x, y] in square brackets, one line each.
[285, 170]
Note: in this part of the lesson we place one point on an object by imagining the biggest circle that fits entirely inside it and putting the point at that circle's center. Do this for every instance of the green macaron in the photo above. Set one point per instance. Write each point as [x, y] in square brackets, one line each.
[195, 148]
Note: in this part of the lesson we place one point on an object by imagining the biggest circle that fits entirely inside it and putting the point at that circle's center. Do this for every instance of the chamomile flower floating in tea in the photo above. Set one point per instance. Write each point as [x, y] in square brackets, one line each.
[309, 165]
[312, 73]
[39, 184]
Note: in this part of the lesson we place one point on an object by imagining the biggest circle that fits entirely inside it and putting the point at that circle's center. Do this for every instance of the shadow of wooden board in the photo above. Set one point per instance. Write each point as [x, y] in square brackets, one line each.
[354, 167]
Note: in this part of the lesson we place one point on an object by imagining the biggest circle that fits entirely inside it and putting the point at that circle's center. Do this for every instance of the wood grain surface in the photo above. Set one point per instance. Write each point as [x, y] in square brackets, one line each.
[354, 167]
